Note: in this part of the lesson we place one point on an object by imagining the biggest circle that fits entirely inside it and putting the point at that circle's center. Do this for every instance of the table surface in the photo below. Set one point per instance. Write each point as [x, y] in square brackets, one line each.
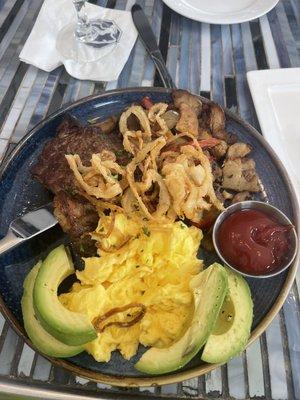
[208, 59]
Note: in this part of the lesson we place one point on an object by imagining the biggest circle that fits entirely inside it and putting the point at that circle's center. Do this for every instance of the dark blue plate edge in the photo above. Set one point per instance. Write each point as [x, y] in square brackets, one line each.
[119, 380]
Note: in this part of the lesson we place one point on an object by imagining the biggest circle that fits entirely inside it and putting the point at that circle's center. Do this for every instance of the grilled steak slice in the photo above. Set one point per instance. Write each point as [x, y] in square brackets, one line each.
[52, 169]
[74, 213]
[76, 217]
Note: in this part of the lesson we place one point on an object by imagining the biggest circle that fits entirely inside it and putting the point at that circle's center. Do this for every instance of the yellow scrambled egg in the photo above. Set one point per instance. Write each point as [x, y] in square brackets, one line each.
[153, 268]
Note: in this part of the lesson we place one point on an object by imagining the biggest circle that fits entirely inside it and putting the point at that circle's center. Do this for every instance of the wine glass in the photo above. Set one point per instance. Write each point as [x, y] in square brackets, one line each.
[77, 41]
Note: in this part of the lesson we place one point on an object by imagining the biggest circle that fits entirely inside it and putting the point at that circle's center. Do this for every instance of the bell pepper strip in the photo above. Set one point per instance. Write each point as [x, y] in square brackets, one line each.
[146, 102]
[206, 143]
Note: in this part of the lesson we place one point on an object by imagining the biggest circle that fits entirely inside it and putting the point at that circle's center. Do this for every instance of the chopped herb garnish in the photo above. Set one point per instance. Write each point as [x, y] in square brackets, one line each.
[70, 191]
[146, 231]
[115, 176]
[101, 229]
[182, 226]
[120, 153]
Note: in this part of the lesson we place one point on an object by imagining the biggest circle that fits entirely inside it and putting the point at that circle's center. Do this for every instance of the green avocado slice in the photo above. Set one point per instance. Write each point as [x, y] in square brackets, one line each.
[209, 289]
[66, 326]
[41, 339]
[233, 326]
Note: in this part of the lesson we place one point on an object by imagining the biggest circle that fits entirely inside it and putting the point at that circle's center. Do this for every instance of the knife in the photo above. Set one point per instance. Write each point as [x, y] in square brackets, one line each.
[149, 41]
[27, 226]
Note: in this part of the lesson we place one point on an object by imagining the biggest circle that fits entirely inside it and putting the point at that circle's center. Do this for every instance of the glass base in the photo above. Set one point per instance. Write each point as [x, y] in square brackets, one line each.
[84, 49]
[87, 35]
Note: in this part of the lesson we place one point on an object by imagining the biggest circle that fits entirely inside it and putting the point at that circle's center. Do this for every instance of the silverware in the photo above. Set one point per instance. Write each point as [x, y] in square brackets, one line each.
[27, 226]
[149, 41]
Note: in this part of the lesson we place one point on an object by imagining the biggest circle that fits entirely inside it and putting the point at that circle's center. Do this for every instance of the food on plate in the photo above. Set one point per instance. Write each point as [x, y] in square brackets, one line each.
[134, 193]
[139, 264]
[232, 330]
[75, 214]
[241, 196]
[149, 151]
[209, 289]
[239, 174]
[238, 150]
[254, 242]
[175, 319]
[68, 327]
[189, 109]
[42, 340]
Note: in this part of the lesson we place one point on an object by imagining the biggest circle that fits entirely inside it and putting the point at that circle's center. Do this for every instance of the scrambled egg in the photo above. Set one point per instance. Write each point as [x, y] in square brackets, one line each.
[153, 267]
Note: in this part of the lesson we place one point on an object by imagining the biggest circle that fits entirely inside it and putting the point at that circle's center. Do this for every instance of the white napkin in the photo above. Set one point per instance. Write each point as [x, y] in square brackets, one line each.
[40, 47]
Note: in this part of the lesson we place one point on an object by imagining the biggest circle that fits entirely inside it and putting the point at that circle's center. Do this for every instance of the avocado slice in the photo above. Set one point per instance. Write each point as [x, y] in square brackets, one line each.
[41, 339]
[67, 326]
[233, 326]
[209, 290]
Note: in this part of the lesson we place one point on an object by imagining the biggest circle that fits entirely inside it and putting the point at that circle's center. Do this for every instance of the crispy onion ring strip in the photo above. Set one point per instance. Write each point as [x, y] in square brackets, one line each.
[139, 112]
[164, 202]
[160, 142]
[135, 144]
[133, 140]
[154, 115]
[101, 205]
[154, 153]
[147, 149]
[99, 325]
[180, 135]
[112, 249]
[128, 201]
[133, 188]
[198, 153]
[107, 187]
[100, 235]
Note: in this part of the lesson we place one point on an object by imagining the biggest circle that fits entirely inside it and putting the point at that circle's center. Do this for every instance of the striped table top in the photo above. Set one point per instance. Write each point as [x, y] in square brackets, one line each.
[206, 59]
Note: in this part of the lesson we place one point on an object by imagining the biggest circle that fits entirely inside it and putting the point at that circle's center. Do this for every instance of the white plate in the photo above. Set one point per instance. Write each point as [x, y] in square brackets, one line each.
[221, 11]
[276, 96]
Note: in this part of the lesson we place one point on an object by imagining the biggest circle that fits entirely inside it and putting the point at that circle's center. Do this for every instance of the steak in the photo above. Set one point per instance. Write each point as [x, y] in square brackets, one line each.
[77, 217]
[74, 213]
[52, 169]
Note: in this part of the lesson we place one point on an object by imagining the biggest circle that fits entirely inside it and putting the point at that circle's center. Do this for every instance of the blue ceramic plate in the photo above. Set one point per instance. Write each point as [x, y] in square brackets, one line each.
[19, 192]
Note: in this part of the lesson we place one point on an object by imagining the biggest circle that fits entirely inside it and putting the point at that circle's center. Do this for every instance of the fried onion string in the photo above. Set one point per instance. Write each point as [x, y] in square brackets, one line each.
[169, 176]
[113, 248]
[99, 325]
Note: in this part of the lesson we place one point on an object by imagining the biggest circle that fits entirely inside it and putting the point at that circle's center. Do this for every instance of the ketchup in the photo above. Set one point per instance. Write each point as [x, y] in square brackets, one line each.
[254, 242]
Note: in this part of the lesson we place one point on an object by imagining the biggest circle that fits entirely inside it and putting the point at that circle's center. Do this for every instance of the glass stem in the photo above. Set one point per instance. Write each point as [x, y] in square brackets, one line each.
[83, 27]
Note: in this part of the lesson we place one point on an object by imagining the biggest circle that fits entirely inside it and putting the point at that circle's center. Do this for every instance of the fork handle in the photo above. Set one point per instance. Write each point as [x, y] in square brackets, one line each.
[9, 241]
[162, 69]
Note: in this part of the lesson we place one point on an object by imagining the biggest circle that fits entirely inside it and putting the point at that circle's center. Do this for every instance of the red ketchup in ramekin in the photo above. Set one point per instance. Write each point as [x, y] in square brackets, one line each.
[254, 242]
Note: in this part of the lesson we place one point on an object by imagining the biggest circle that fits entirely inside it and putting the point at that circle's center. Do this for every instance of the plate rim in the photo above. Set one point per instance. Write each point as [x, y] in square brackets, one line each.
[125, 381]
[172, 4]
